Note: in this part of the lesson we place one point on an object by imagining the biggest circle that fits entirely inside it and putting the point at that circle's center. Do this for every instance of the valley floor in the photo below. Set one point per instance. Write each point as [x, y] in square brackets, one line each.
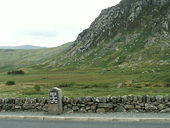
[80, 83]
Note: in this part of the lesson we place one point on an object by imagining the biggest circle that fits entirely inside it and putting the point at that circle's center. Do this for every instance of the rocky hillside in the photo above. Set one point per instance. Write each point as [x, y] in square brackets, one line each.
[132, 34]
[150, 16]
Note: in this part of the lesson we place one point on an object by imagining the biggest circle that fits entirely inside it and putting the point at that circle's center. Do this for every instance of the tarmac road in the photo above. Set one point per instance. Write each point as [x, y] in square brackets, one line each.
[8, 123]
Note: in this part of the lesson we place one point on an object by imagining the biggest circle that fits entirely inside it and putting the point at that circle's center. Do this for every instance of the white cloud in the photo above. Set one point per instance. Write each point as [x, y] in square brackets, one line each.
[46, 22]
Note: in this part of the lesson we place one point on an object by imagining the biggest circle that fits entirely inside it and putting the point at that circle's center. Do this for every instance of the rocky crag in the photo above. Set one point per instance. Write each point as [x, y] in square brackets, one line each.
[132, 33]
[118, 19]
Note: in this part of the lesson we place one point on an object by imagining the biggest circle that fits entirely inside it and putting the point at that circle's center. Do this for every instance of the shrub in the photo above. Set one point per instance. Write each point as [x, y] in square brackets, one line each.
[137, 86]
[37, 88]
[10, 83]
[167, 85]
[16, 72]
[65, 85]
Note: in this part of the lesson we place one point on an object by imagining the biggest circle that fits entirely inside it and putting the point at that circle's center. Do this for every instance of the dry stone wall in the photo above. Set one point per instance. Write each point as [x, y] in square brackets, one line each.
[118, 104]
[24, 104]
[92, 104]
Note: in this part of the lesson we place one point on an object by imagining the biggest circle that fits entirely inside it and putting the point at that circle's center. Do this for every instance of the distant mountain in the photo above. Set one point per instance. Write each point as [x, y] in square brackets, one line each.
[25, 47]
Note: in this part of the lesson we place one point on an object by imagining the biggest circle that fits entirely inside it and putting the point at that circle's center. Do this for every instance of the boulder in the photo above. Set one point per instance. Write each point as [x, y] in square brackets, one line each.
[138, 107]
[83, 110]
[129, 106]
[165, 110]
[150, 107]
[75, 108]
[120, 109]
[88, 108]
[102, 99]
[133, 110]
[105, 105]
[161, 106]
[100, 110]
[68, 111]
[17, 107]
[28, 106]
[93, 107]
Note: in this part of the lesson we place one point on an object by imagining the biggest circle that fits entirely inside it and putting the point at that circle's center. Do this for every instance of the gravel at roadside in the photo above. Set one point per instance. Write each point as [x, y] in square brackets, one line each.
[98, 115]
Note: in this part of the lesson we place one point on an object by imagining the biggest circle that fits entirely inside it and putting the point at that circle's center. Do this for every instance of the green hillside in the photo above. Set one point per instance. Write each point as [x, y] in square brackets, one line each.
[132, 37]
[125, 51]
[13, 59]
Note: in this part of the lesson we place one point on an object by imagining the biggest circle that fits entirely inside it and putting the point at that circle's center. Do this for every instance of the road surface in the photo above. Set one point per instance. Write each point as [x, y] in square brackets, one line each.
[79, 124]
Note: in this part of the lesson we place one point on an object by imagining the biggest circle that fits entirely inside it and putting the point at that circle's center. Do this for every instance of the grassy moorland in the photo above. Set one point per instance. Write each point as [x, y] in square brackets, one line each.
[92, 82]
[116, 57]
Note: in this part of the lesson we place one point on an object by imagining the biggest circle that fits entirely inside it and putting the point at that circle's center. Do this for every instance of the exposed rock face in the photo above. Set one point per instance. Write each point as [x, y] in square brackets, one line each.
[117, 19]
[129, 35]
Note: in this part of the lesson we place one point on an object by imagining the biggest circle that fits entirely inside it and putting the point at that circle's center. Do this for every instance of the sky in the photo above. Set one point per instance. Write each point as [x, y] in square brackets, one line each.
[48, 23]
